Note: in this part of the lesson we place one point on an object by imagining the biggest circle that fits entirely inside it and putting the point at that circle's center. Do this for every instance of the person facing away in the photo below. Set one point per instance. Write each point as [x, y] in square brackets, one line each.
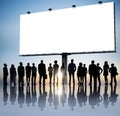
[21, 73]
[55, 69]
[5, 74]
[42, 72]
[50, 70]
[34, 74]
[92, 72]
[71, 71]
[113, 73]
[13, 75]
[28, 73]
[99, 71]
[85, 73]
[62, 69]
[105, 71]
[80, 74]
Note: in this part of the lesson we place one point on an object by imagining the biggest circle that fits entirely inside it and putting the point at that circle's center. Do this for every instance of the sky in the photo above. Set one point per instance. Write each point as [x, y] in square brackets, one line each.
[10, 11]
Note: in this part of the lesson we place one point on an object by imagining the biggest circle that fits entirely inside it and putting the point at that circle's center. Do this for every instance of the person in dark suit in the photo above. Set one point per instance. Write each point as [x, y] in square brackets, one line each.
[5, 74]
[42, 72]
[71, 70]
[92, 72]
[28, 73]
[13, 74]
[21, 73]
[34, 74]
[113, 72]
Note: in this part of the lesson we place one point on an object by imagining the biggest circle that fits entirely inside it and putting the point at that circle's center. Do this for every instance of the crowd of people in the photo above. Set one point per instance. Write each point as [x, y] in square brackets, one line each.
[94, 71]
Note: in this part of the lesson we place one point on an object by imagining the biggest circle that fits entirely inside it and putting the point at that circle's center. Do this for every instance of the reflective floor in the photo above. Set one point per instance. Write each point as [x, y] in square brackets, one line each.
[60, 100]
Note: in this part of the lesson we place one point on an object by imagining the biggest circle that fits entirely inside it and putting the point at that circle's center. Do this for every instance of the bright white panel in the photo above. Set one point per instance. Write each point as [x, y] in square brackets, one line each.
[72, 30]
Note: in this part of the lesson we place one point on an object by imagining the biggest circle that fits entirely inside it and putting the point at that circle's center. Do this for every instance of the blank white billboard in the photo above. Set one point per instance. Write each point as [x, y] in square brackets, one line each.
[71, 30]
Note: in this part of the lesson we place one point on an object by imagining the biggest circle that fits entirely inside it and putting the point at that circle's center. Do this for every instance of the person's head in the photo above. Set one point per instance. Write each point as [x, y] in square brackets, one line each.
[50, 64]
[106, 63]
[21, 63]
[28, 64]
[41, 61]
[72, 60]
[92, 62]
[55, 61]
[80, 64]
[98, 64]
[12, 65]
[33, 64]
[112, 65]
[5, 65]
[84, 65]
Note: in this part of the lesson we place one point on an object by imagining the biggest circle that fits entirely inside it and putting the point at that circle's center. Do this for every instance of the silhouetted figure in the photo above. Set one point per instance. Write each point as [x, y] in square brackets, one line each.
[105, 71]
[34, 95]
[99, 71]
[113, 73]
[55, 97]
[28, 95]
[91, 102]
[106, 97]
[42, 72]
[81, 95]
[63, 96]
[113, 95]
[85, 73]
[42, 98]
[13, 75]
[34, 74]
[92, 72]
[80, 74]
[62, 69]
[13, 94]
[50, 70]
[50, 97]
[21, 73]
[5, 94]
[71, 71]
[71, 97]
[21, 96]
[55, 69]
[5, 74]
[28, 73]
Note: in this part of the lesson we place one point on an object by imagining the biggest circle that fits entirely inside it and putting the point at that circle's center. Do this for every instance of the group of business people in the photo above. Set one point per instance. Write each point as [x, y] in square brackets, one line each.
[94, 71]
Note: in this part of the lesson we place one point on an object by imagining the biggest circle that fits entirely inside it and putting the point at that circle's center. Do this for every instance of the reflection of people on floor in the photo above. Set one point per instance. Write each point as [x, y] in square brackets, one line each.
[42, 97]
[95, 98]
[55, 96]
[21, 96]
[13, 75]
[5, 94]
[106, 97]
[50, 97]
[28, 95]
[5, 74]
[63, 96]
[13, 94]
[81, 95]
[113, 95]
[71, 97]
[34, 95]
